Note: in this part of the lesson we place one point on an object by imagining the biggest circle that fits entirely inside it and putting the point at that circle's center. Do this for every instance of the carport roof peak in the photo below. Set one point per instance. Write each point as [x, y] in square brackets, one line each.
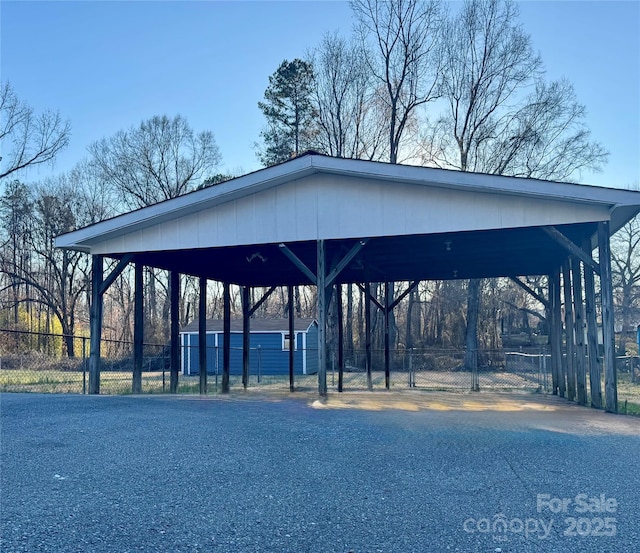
[313, 163]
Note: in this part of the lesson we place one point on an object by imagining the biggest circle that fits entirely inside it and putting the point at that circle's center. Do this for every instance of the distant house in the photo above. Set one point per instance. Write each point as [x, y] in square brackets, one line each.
[268, 342]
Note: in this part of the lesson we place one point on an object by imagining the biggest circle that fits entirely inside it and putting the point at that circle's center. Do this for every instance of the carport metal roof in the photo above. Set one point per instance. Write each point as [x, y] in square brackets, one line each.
[420, 223]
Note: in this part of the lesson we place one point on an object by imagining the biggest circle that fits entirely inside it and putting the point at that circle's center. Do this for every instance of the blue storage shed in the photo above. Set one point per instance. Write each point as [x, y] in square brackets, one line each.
[268, 342]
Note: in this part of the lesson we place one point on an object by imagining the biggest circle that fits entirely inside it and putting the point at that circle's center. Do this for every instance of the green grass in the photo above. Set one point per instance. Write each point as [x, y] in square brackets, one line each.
[626, 407]
[628, 394]
[56, 381]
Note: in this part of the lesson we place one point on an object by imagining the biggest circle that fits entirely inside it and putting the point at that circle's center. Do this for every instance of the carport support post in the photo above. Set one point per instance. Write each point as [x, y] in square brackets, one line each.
[578, 315]
[387, 309]
[292, 339]
[322, 319]
[95, 316]
[226, 344]
[606, 291]
[138, 328]
[202, 335]
[340, 337]
[367, 331]
[174, 285]
[595, 375]
[556, 334]
[568, 328]
[246, 344]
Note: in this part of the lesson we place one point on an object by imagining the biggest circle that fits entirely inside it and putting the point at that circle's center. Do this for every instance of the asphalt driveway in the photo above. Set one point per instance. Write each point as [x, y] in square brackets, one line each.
[361, 472]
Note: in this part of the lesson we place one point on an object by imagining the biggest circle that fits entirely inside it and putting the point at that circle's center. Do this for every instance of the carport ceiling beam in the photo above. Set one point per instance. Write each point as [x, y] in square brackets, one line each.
[572, 248]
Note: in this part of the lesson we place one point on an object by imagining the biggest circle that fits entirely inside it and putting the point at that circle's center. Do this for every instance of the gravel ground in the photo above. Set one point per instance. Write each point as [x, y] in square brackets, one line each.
[359, 472]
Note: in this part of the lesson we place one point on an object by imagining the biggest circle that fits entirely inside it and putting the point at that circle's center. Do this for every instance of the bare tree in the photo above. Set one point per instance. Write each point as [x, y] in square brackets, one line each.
[16, 208]
[545, 138]
[487, 59]
[403, 58]
[401, 39]
[348, 112]
[28, 138]
[625, 271]
[160, 159]
[492, 123]
[55, 279]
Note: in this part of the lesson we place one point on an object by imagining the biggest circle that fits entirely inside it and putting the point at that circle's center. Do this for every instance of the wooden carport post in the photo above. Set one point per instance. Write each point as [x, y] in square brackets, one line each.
[556, 334]
[321, 278]
[202, 335]
[367, 332]
[226, 344]
[174, 284]
[608, 331]
[568, 328]
[95, 317]
[138, 328]
[595, 375]
[388, 289]
[340, 337]
[578, 317]
[292, 339]
[99, 285]
[323, 282]
[246, 335]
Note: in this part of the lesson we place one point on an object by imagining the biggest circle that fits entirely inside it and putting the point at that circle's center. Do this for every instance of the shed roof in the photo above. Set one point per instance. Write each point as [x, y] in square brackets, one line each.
[257, 325]
[419, 223]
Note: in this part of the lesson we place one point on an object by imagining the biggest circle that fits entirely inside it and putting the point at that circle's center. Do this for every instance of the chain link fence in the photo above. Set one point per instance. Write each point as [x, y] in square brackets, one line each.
[628, 375]
[444, 369]
[39, 362]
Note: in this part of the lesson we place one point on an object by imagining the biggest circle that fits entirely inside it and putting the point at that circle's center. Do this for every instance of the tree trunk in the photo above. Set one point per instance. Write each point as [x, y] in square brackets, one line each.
[471, 335]
[67, 331]
[361, 321]
[409, 337]
[349, 322]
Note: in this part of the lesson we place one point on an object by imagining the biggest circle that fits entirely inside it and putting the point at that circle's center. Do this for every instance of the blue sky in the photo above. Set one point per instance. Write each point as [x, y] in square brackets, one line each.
[109, 65]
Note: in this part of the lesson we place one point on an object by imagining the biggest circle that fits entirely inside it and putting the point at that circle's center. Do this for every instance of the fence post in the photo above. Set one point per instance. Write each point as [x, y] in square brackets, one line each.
[164, 367]
[475, 379]
[412, 380]
[259, 363]
[84, 365]
[540, 369]
[217, 367]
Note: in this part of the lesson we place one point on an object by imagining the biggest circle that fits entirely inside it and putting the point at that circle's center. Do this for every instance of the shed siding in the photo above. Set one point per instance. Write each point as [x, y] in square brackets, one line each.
[312, 349]
[266, 356]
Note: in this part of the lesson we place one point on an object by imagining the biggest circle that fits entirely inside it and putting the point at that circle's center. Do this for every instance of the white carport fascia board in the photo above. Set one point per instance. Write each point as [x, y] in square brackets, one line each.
[298, 168]
[448, 178]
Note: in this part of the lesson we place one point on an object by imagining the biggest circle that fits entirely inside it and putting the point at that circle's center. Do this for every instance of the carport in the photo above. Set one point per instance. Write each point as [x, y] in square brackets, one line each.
[326, 221]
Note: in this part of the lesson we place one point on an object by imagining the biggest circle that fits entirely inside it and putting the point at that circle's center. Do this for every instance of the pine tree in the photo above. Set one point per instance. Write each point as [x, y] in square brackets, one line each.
[289, 111]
